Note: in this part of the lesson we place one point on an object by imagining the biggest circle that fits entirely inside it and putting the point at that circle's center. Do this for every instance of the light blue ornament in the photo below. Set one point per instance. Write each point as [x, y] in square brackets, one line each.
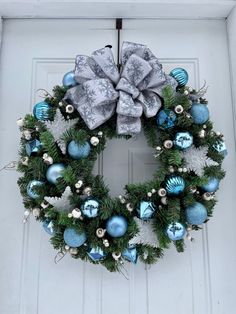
[199, 113]
[221, 148]
[73, 238]
[166, 119]
[183, 140]
[116, 226]
[176, 231]
[48, 226]
[69, 79]
[96, 254]
[33, 147]
[130, 254]
[180, 75]
[78, 151]
[30, 188]
[41, 110]
[212, 185]
[90, 208]
[146, 210]
[196, 214]
[54, 172]
[175, 185]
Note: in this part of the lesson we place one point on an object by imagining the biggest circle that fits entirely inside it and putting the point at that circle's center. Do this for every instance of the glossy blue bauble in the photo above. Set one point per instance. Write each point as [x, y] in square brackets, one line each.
[183, 140]
[175, 185]
[221, 148]
[73, 238]
[96, 254]
[196, 214]
[176, 231]
[199, 113]
[54, 172]
[116, 226]
[90, 208]
[69, 79]
[30, 188]
[180, 75]
[212, 185]
[146, 210]
[33, 147]
[130, 254]
[41, 110]
[166, 119]
[78, 151]
[49, 227]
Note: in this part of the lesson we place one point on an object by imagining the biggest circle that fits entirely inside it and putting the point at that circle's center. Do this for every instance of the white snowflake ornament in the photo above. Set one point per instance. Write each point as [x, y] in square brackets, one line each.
[146, 235]
[61, 204]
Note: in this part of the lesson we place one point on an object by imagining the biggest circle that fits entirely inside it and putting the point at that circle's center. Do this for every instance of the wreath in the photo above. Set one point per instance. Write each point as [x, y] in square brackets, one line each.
[63, 138]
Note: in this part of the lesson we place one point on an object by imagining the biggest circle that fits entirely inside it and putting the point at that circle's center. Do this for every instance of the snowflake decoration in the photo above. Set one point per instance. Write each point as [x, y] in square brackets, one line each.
[61, 204]
[196, 159]
[146, 235]
[58, 127]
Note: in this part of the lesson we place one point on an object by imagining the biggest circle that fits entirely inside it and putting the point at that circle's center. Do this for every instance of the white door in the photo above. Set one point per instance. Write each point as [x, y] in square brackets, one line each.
[35, 54]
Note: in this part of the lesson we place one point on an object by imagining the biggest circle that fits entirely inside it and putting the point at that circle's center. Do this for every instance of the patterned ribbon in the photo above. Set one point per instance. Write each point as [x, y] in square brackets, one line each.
[102, 90]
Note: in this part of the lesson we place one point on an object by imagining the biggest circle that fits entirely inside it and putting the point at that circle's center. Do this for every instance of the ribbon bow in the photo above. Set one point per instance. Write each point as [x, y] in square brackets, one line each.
[102, 90]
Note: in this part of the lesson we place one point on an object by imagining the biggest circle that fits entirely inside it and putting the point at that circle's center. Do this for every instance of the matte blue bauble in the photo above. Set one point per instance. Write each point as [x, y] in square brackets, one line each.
[90, 208]
[183, 140]
[33, 147]
[130, 254]
[49, 227]
[180, 75]
[212, 185]
[166, 119]
[54, 172]
[221, 148]
[78, 151]
[196, 214]
[146, 210]
[176, 231]
[116, 226]
[69, 79]
[175, 185]
[199, 113]
[41, 110]
[96, 254]
[30, 188]
[73, 238]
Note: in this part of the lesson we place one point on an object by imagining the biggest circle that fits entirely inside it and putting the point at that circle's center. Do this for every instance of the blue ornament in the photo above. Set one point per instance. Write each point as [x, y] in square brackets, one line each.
[41, 110]
[183, 140]
[116, 226]
[69, 79]
[54, 172]
[180, 75]
[212, 185]
[73, 238]
[199, 113]
[30, 188]
[90, 208]
[48, 226]
[176, 231]
[175, 185]
[33, 147]
[196, 214]
[146, 210]
[166, 119]
[220, 147]
[96, 254]
[130, 254]
[78, 151]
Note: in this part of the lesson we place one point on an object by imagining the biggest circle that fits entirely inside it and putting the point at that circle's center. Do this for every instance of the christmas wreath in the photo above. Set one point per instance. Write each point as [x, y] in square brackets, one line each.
[68, 130]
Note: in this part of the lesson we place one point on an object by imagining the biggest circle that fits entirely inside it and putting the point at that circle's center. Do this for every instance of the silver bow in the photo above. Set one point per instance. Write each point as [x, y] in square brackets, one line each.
[134, 91]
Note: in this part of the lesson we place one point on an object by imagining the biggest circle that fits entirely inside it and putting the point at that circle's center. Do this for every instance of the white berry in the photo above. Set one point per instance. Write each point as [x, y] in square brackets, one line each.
[76, 213]
[20, 122]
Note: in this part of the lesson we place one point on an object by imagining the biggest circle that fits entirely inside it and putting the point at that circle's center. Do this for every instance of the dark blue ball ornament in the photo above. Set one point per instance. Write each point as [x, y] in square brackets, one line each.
[130, 254]
[96, 254]
[48, 226]
[175, 185]
[41, 110]
[54, 172]
[90, 208]
[199, 113]
[30, 188]
[116, 226]
[146, 210]
[166, 119]
[69, 79]
[212, 185]
[73, 238]
[33, 147]
[176, 231]
[183, 140]
[78, 151]
[180, 75]
[196, 214]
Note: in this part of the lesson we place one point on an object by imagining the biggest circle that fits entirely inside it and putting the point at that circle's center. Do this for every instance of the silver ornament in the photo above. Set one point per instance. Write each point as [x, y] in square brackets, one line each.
[179, 109]
[116, 256]
[162, 192]
[70, 109]
[168, 144]
[87, 191]
[94, 141]
[100, 232]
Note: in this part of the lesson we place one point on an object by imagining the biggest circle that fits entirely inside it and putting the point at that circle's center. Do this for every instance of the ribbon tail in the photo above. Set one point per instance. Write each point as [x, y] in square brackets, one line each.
[128, 125]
